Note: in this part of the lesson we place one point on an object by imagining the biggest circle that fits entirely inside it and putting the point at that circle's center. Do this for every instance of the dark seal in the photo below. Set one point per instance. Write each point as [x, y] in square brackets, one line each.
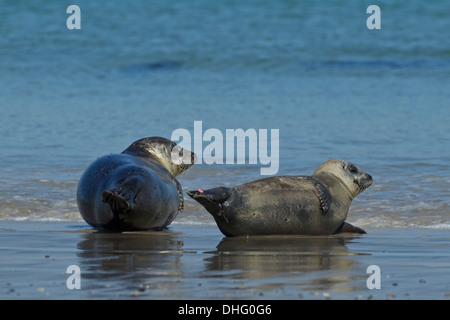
[314, 205]
[136, 189]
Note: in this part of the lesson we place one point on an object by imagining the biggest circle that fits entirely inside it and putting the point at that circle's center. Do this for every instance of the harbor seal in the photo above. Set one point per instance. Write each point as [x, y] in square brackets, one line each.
[136, 189]
[314, 205]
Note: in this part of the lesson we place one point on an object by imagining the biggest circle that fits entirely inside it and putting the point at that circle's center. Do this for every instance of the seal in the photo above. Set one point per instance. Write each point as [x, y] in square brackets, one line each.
[136, 189]
[281, 205]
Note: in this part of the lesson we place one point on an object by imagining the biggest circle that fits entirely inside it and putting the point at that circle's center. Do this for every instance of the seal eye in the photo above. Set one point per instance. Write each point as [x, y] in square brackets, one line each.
[352, 169]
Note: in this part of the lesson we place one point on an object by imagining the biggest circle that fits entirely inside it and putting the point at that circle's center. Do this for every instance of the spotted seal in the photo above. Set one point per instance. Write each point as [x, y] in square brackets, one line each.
[136, 189]
[315, 205]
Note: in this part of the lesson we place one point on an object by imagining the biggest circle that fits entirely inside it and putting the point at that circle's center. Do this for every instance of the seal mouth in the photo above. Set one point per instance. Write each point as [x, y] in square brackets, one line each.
[364, 182]
[186, 166]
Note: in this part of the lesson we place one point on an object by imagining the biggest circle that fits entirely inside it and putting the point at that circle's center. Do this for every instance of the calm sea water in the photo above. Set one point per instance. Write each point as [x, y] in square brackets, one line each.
[313, 70]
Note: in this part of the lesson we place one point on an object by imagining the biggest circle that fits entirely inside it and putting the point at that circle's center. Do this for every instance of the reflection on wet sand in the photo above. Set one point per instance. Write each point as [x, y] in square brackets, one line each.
[308, 261]
[181, 265]
[126, 261]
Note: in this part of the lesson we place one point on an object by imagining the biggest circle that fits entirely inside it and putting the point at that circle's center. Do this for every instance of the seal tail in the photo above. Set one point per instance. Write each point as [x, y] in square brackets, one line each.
[211, 199]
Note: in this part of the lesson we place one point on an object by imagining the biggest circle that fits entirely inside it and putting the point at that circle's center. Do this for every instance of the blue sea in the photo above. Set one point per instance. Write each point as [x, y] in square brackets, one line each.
[379, 98]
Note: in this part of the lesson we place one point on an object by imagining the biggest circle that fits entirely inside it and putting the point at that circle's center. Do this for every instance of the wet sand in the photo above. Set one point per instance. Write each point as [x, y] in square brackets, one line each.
[197, 262]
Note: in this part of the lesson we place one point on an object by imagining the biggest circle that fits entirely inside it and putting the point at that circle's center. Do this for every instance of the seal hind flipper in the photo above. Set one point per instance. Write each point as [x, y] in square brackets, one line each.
[211, 199]
[349, 228]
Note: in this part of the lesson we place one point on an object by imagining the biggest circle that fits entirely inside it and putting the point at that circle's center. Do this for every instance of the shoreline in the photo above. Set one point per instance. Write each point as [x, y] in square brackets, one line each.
[189, 262]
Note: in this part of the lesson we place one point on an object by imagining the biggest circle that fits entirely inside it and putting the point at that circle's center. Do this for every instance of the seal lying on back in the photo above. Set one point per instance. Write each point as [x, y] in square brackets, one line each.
[136, 189]
[315, 205]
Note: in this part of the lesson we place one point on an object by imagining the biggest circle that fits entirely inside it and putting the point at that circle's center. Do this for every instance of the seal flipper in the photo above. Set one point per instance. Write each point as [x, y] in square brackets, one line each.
[116, 201]
[323, 194]
[121, 197]
[347, 227]
[211, 199]
[180, 195]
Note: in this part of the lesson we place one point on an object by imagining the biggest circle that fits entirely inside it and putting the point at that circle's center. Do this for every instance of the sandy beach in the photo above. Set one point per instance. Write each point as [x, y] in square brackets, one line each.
[197, 262]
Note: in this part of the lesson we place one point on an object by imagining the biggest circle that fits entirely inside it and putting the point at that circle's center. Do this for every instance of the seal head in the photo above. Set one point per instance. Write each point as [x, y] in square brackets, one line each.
[170, 155]
[349, 175]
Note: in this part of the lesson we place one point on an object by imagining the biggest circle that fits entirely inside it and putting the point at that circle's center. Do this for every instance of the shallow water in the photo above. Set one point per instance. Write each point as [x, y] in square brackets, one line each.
[333, 88]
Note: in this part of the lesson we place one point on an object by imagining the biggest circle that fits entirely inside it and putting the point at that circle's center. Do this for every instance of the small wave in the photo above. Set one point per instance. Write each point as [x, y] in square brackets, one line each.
[438, 226]
[41, 219]
[380, 219]
[153, 67]
[53, 183]
[32, 209]
[378, 64]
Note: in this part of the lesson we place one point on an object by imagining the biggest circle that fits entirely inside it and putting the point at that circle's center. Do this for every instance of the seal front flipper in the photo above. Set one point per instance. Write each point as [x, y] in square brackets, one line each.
[116, 201]
[211, 199]
[323, 194]
[121, 197]
[180, 195]
[348, 228]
